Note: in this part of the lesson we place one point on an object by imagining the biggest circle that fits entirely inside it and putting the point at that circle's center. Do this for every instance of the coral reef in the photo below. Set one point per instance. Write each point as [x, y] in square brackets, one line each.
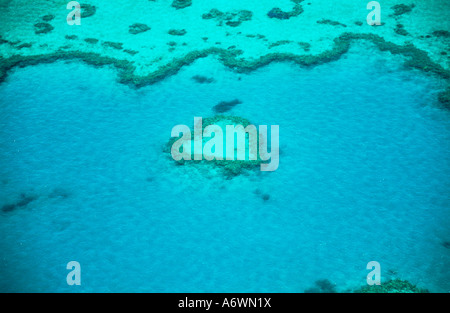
[115, 45]
[399, 29]
[91, 40]
[279, 43]
[264, 196]
[392, 286]
[229, 168]
[48, 17]
[213, 14]
[322, 286]
[131, 52]
[87, 10]
[43, 28]
[138, 28]
[233, 19]
[444, 98]
[401, 9]
[177, 32]
[415, 58]
[203, 79]
[24, 45]
[281, 15]
[23, 202]
[330, 22]
[226, 106]
[305, 45]
[71, 37]
[441, 33]
[181, 4]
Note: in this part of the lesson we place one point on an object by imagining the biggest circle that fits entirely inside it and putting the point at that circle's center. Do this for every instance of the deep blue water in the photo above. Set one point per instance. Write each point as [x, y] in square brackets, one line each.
[363, 176]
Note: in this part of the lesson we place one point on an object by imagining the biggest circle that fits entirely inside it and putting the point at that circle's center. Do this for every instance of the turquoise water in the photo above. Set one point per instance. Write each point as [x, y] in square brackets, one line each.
[364, 176]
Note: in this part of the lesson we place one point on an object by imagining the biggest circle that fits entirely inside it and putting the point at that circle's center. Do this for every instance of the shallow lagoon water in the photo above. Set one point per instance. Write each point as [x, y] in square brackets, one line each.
[363, 176]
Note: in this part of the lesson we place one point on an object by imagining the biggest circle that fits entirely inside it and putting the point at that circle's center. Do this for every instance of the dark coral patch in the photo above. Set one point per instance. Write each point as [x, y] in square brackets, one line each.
[131, 52]
[444, 98]
[24, 45]
[43, 28]
[138, 28]
[322, 286]
[226, 106]
[48, 17]
[400, 9]
[305, 46]
[400, 29]
[330, 22]
[23, 202]
[177, 32]
[91, 40]
[114, 45]
[392, 286]
[282, 15]
[441, 33]
[278, 13]
[279, 43]
[203, 79]
[87, 10]
[181, 4]
[232, 19]
[212, 14]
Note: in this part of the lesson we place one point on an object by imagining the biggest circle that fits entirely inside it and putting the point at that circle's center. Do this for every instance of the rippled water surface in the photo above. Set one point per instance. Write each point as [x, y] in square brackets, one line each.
[364, 176]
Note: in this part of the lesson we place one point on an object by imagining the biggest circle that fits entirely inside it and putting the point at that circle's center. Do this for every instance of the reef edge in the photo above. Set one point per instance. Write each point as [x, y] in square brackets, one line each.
[416, 59]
